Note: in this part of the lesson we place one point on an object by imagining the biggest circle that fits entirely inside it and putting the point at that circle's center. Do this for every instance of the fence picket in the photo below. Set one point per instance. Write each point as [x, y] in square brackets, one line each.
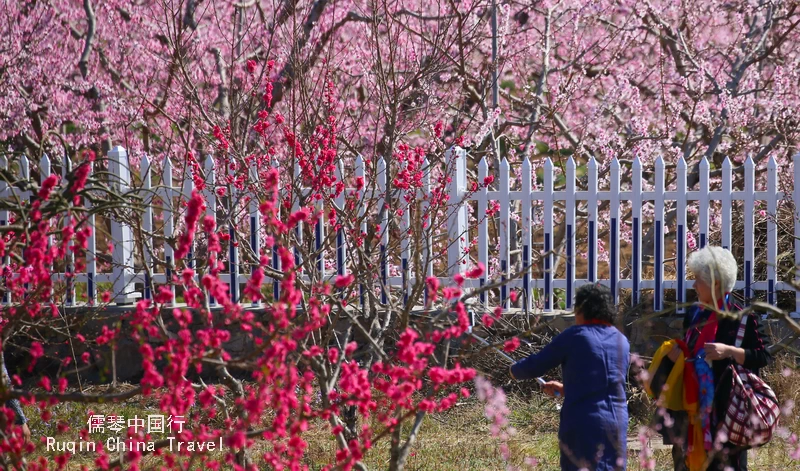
[255, 228]
[591, 209]
[210, 193]
[680, 235]
[298, 231]
[91, 248]
[456, 158]
[727, 203]
[749, 227]
[548, 235]
[121, 232]
[384, 229]
[526, 225]
[341, 249]
[772, 229]
[24, 168]
[276, 260]
[613, 238]
[570, 227]
[403, 210]
[636, 211]
[504, 230]
[186, 192]
[483, 223]
[147, 225]
[427, 219]
[660, 230]
[362, 209]
[44, 172]
[703, 202]
[233, 244]
[319, 240]
[168, 214]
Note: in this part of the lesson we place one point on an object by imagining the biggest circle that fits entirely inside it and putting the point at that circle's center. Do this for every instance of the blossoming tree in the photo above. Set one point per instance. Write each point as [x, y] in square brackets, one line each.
[284, 96]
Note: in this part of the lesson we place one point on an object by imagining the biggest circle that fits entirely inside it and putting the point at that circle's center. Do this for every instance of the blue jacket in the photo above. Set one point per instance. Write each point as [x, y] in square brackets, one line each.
[594, 419]
[13, 404]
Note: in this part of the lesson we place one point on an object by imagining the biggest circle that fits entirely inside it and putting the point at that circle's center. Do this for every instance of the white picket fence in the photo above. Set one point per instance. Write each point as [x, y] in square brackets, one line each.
[124, 276]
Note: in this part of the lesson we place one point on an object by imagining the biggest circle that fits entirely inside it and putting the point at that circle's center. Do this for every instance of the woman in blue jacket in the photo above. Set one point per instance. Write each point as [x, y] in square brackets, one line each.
[594, 357]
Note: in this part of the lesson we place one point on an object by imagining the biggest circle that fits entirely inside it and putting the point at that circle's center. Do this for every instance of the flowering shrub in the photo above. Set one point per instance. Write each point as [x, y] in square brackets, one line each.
[280, 111]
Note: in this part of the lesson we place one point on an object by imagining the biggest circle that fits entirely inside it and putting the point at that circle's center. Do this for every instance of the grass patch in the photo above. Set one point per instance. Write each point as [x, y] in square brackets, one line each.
[459, 439]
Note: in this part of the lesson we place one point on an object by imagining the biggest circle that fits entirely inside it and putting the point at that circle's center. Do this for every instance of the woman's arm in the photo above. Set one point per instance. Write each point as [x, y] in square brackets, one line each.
[753, 353]
[540, 363]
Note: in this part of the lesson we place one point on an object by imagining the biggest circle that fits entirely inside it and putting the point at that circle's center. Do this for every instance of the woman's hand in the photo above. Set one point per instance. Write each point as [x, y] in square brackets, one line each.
[26, 432]
[553, 388]
[720, 351]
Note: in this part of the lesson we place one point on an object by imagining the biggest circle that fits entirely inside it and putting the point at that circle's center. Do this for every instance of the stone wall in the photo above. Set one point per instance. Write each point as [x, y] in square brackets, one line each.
[645, 335]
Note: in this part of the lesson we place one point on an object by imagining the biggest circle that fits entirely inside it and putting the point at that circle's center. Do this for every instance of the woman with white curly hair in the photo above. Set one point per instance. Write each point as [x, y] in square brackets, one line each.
[710, 328]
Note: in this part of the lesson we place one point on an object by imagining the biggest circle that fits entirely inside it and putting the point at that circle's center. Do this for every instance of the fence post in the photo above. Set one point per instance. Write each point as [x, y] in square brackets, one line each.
[457, 233]
[121, 233]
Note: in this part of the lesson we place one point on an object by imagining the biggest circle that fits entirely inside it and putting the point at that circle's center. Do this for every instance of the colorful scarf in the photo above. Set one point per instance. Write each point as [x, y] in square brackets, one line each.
[699, 383]
[705, 379]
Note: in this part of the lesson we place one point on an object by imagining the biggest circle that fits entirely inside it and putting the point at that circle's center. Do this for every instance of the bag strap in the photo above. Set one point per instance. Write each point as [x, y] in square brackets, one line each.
[740, 333]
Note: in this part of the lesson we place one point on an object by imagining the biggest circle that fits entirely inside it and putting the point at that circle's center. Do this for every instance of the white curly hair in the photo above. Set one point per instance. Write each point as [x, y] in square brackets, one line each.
[714, 264]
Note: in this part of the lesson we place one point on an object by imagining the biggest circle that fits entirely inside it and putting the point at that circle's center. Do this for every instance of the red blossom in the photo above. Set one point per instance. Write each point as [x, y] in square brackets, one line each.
[511, 345]
[47, 187]
[343, 281]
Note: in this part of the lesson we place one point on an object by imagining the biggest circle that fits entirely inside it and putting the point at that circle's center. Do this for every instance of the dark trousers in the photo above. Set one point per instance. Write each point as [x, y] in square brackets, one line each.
[679, 458]
[729, 457]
